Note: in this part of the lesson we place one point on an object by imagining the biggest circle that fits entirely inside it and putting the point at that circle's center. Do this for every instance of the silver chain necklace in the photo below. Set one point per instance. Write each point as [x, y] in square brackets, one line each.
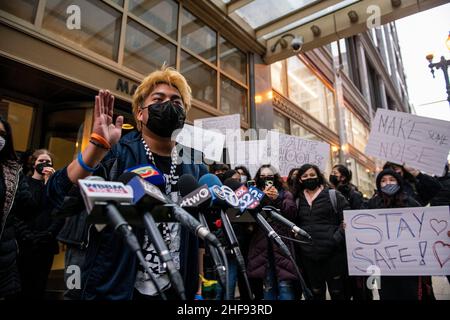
[173, 162]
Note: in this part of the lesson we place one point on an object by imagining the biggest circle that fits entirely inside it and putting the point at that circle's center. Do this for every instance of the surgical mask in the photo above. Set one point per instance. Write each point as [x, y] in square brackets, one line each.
[164, 118]
[311, 184]
[390, 189]
[243, 179]
[2, 143]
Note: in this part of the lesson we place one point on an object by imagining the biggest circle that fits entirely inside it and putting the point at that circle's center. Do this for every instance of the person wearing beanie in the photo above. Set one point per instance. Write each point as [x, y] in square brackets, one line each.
[391, 194]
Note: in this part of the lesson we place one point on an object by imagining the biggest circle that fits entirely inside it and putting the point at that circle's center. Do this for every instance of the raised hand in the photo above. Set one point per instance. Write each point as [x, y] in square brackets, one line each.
[103, 118]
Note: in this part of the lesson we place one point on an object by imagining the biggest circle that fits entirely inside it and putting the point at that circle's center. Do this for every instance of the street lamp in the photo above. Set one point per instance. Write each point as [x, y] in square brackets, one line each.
[442, 64]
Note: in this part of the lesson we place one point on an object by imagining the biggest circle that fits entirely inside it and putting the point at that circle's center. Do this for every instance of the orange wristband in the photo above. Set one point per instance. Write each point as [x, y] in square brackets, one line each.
[102, 140]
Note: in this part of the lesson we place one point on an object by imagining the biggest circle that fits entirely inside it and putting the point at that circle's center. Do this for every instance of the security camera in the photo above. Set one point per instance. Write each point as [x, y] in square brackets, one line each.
[297, 43]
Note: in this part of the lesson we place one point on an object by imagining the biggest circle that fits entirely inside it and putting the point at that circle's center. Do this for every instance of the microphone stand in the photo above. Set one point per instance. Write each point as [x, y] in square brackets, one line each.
[236, 250]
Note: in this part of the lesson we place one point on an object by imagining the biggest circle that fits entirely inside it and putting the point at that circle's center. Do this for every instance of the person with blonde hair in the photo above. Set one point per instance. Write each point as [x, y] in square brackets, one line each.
[111, 270]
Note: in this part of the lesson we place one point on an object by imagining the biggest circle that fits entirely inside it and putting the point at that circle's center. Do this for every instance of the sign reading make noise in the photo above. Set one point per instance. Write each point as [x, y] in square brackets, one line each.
[420, 142]
[399, 241]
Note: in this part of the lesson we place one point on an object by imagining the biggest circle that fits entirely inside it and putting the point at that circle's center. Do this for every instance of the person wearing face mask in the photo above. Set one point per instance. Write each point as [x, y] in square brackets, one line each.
[265, 260]
[391, 194]
[340, 179]
[244, 174]
[17, 202]
[323, 261]
[111, 270]
[219, 170]
[37, 237]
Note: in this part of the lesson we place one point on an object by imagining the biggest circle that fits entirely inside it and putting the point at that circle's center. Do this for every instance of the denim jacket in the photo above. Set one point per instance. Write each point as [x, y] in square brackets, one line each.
[109, 270]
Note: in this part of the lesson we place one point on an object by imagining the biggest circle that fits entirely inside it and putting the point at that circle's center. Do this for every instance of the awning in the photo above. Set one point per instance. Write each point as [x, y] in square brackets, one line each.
[275, 23]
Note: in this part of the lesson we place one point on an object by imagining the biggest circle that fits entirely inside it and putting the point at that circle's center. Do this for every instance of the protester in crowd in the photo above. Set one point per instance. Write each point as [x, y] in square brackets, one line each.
[17, 202]
[291, 178]
[422, 188]
[265, 260]
[320, 213]
[111, 270]
[245, 175]
[231, 174]
[391, 194]
[340, 179]
[37, 236]
[219, 169]
[418, 185]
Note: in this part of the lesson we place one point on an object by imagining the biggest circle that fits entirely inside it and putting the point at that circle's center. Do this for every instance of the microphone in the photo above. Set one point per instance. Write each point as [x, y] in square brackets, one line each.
[98, 192]
[227, 198]
[145, 202]
[149, 173]
[197, 200]
[274, 213]
[181, 215]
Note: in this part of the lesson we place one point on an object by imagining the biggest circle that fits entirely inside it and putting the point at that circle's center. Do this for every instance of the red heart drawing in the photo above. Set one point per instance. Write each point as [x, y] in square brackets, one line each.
[438, 225]
[441, 263]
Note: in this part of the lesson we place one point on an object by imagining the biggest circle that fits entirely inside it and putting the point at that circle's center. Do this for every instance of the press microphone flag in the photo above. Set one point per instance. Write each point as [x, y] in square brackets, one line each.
[149, 173]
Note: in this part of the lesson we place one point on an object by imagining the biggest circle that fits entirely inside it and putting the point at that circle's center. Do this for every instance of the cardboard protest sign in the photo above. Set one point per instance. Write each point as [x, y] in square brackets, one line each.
[398, 241]
[420, 142]
[209, 142]
[229, 126]
[293, 152]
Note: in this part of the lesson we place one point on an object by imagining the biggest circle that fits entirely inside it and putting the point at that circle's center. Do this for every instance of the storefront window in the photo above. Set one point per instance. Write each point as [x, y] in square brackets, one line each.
[344, 54]
[198, 37]
[357, 133]
[233, 61]
[310, 93]
[24, 9]
[20, 117]
[277, 75]
[300, 131]
[281, 123]
[145, 51]
[365, 180]
[201, 78]
[100, 29]
[161, 14]
[233, 98]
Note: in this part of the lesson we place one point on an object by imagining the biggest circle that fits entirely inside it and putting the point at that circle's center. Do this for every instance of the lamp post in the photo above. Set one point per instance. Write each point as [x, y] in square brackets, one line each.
[443, 65]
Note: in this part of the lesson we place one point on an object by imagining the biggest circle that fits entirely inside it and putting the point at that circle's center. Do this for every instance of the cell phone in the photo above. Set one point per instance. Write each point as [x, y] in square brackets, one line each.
[251, 183]
[269, 183]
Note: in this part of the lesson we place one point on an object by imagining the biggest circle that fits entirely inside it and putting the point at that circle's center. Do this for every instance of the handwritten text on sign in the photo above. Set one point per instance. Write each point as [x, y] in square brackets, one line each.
[294, 151]
[420, 142]
[402, 241]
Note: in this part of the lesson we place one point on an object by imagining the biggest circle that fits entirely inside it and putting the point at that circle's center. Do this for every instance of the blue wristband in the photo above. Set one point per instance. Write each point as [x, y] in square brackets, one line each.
[84, 165]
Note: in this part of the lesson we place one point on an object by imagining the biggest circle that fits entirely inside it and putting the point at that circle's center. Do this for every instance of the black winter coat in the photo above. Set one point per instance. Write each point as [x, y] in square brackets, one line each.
[424, 189]
[442, 198]
[322, 224]
[354, 198]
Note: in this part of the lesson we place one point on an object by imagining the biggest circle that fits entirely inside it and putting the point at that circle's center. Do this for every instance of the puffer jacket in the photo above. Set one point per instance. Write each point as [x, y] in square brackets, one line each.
[17, 201]
[260, 252]
[322, 223]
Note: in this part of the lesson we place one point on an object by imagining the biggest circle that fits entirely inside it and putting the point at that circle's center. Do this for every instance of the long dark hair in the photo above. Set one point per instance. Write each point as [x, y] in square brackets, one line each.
[289, 181]
[397, 200]
[7, 152]
[407, 177]
[345, 172]
[277, 180]
[245, 170]
[298, 187]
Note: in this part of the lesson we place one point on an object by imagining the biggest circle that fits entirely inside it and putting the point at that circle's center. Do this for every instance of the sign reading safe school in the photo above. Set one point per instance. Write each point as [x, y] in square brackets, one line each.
[399, 241]
[420, 142]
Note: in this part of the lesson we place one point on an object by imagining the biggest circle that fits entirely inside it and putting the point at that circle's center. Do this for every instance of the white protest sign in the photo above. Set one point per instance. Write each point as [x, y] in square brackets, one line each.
[251, 154]
[227, 125]
[399, 241]
[209, 142]
[293, 152]
[420, 142]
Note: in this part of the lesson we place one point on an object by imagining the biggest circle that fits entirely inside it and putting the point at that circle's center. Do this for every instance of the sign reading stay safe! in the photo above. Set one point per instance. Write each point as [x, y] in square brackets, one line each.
[399, 241]
[420, 142]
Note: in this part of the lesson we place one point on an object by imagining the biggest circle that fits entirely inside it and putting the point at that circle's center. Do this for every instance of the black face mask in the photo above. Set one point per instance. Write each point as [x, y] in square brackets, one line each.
[40, 166]
[334, 179]
[164, 118]
[311, 184]
[263, 182]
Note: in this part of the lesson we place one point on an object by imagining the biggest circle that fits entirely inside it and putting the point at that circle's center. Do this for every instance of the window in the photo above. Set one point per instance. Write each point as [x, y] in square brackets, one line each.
[298, 130]
[357, 133]
[277, 74]
[310, 93]
[341, 49]
[281, 123]
[100, 25]
[20, 117]
[161, 14]
[145, 51]
[24, 9]
[233, 61]
[233, 98]
[365, 180]
[201, 78]
[198, 37]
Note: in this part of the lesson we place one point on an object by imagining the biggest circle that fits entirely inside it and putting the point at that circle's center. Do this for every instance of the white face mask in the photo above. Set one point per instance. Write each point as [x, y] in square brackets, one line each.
[243, 179]
[2, 143]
